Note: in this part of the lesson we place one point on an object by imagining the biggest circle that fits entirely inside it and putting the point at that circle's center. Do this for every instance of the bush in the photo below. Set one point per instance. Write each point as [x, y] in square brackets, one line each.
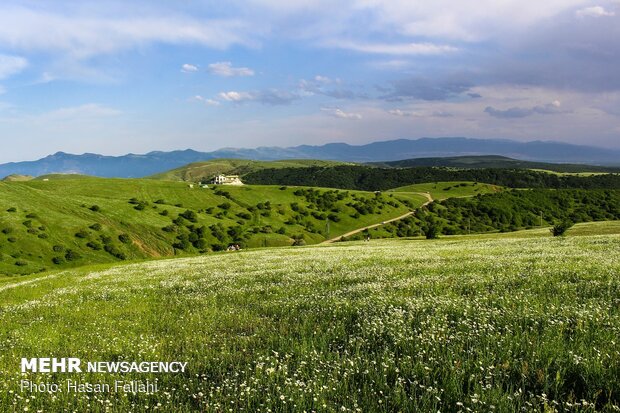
[7, 230]
[21, 263]
[169, 228]
[560, 228]
[11, 209]
[164, 213]
[43, 236]
[31, 215]
[160, 201]
[27, 223]
[189, 215]
[94, 245]
[96, 226]
[72, 255]
[11, 239]
[95, 208]
[124, 238]
[82, 234]
[58, 260]
[58, 248]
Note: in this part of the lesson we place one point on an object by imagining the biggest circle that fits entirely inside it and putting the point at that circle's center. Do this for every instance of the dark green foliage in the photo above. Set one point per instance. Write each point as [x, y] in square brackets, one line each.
[72, 255]
[94, 245]
[164, 213]
[31, 215]
[169, 228]
[58, 260]
[95, 227]
[20, 263]
[560, 228]
[11, 239]
[124, 238]
[11, 209]
[160, 201]
[225, 205]
[372, 179]
[189, 215]
[106, 239]
[82, 234]
[114, 251]
[43, 236]
[95, 208]
[7, 230]
[58, 248]
[27, 223]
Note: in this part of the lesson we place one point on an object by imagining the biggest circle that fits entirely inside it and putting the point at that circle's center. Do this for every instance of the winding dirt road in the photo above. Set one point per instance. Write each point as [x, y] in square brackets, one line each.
[356, 231]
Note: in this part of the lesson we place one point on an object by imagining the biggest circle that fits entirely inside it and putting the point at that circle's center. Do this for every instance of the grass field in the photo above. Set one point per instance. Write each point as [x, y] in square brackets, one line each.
[67, 221]
[444, 190]
[470, 324]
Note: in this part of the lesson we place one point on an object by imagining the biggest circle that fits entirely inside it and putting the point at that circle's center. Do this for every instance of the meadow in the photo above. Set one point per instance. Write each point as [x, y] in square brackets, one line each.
[460, 324]
[62, 221]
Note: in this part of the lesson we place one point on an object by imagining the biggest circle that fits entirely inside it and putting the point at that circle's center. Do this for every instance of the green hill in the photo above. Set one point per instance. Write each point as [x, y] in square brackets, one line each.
[197, 171]
[495, 161]
[443, 190]
[62, 222]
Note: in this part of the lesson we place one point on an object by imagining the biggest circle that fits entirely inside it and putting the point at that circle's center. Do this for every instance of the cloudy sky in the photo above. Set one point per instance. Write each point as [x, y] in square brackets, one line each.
[108, 77]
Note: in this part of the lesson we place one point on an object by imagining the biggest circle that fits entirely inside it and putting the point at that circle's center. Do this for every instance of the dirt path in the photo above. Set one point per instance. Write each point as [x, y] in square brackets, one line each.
[356, 231]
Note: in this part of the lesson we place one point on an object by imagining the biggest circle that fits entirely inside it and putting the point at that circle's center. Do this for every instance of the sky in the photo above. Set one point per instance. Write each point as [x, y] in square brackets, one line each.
[118, 77]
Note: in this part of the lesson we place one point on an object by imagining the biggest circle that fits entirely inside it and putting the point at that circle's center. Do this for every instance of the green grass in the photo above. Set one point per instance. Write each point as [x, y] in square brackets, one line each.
[196, 171]
[50, 213]
[484, 324]
[444, 190]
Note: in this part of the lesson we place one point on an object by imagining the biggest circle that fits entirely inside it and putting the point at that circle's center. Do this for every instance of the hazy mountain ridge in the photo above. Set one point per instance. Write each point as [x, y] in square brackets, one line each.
[132, 165]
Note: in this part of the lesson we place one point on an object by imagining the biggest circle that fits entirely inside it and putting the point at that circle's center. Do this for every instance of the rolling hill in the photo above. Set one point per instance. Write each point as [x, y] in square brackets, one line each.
[495, 161]
[66, 221]
[197, 171]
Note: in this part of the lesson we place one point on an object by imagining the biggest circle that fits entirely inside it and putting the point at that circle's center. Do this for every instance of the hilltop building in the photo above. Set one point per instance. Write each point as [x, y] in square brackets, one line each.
[227, 180]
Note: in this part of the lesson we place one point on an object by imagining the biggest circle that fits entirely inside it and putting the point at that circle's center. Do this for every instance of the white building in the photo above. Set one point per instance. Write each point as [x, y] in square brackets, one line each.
[226, 180]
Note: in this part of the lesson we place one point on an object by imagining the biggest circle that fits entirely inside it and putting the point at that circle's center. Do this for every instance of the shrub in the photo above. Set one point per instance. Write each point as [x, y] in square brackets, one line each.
[124, 238]
[560, 228]
[82, 234]
[169, 228]
[43, 236]
[11, 239]
[58, 248]
[31, 215]
[140, 207]
[71, 255]
[11, 209]
[164, 213]
[27, 223]
[189, 215]
[160, 201]
[58, 260]
[7, 230]
[94, 245]
[96, 226]
[21, 263]
[95, 208]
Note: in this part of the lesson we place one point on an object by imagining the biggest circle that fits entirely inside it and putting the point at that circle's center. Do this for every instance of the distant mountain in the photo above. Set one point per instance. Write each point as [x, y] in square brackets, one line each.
[132, 165]
[495, 161]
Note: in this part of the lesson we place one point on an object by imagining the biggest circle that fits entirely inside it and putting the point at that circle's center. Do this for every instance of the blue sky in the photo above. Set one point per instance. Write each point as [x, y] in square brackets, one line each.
[111, 78]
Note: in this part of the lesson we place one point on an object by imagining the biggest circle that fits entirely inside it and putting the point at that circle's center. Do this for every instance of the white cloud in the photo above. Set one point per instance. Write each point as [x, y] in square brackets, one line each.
[189, 68]
[339, 113]
[404, 49]
[10, 65]
[206, 101]
[403, 113]
[227, 70]
[82, 35]
[234, 96]
[595, 11]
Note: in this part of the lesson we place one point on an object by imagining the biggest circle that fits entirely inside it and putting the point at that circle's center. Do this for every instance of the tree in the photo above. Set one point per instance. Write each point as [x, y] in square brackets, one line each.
[560, 228]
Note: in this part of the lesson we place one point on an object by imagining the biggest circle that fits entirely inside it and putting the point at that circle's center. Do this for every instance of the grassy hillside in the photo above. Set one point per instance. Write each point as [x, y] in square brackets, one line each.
[443, 190]
[64, 222]
[194, 172]
[506, 325]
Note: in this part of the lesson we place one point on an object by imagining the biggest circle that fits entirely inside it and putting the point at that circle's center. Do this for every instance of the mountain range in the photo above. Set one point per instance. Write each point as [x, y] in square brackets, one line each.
[132, 165]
